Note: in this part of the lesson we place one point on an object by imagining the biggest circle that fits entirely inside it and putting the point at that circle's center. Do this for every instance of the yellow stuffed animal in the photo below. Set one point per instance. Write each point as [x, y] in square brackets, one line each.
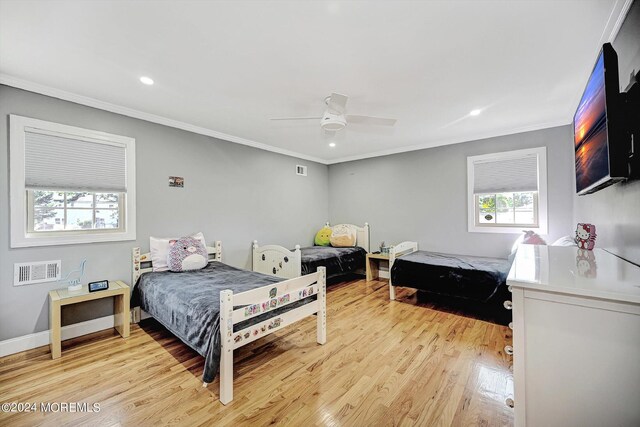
[323, 237]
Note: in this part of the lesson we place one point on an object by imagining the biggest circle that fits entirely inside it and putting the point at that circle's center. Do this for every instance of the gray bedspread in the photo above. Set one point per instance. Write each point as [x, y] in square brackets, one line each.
[188, 304]
[338, 261]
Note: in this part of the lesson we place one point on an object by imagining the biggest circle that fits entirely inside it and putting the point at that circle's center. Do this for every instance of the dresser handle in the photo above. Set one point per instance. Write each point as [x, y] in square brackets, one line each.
[508, 349]
[508, 305]
[511, 325]
[510, 403]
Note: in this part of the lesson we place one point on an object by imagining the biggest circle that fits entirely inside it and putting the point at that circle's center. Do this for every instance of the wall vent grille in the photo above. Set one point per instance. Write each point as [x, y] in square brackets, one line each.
[28, 273]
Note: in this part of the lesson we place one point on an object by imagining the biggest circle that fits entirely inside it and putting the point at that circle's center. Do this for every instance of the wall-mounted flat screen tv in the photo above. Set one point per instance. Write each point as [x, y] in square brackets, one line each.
[599, 136]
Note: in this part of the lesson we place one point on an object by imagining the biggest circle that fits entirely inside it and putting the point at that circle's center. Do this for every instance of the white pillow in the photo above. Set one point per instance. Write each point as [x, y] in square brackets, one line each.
[565, 241]
[160, 250]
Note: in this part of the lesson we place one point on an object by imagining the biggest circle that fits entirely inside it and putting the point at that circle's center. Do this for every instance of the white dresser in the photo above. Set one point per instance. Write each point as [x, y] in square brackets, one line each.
[576, 338]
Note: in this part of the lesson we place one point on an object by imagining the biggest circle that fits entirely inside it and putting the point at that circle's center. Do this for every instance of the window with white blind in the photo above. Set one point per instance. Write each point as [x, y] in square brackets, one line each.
[507, 191]
[69, 185]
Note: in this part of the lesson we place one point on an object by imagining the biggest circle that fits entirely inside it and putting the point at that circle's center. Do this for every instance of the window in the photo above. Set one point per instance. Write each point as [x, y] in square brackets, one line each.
[69, 185]
[508, 191]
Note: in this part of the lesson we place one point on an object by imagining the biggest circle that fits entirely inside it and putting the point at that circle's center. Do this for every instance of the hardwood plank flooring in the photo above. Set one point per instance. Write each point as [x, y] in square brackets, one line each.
[385, 363]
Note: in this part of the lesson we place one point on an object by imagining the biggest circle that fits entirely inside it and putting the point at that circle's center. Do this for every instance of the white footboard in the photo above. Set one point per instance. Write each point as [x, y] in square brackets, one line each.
[262, 300]
[277, 260]
[395, 252]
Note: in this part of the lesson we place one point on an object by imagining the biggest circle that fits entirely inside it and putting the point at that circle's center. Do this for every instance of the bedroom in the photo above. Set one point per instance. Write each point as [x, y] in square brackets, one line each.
[447, 82]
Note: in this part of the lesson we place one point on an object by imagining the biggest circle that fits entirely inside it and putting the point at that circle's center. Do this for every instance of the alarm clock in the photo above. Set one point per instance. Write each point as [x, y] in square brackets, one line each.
[101, 285]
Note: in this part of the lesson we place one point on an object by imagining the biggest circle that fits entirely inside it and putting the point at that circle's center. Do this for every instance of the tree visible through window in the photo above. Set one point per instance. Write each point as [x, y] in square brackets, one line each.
[507, 209]
[59, 211]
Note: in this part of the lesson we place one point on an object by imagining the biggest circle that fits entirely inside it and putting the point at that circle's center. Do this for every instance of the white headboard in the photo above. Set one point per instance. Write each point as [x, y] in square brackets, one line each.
[141, 263]
[362, 235]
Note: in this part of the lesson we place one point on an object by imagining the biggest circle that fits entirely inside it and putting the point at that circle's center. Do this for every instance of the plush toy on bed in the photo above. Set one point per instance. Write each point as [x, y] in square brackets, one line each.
[186, 254]
[586, 236]
[323, 237]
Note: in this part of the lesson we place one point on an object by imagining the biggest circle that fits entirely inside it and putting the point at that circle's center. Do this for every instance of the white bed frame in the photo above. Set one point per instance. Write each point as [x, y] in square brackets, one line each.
[253, 303]
[276, 260]
[396, 252]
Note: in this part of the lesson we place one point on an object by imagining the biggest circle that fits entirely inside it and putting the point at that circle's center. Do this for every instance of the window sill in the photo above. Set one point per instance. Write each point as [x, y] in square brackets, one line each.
[34, 240]
[506, 230]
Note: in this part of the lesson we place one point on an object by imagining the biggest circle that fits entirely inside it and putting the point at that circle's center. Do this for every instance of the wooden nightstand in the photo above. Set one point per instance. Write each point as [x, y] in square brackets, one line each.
[373, 265]
[59, 297]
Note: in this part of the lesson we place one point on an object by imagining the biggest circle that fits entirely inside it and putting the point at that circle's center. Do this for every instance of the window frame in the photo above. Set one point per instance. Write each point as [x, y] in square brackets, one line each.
[541, 202]
[21, 206]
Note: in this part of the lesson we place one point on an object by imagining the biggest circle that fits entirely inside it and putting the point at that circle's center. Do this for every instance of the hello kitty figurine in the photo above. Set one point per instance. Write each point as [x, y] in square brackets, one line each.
[586, 236]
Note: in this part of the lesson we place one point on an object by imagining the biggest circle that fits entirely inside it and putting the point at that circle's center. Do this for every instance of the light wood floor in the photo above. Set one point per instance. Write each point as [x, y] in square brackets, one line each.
[385, 363]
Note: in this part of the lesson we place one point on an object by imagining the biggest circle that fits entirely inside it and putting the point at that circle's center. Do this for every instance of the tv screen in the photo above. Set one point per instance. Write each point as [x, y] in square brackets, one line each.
[597, 137]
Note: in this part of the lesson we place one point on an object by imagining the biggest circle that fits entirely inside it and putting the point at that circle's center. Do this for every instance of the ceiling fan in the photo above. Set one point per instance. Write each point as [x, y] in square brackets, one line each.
[335, 119]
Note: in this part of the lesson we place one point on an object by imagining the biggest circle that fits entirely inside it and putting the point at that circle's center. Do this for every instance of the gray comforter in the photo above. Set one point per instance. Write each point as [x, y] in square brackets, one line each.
[188, 304]
[338, 261]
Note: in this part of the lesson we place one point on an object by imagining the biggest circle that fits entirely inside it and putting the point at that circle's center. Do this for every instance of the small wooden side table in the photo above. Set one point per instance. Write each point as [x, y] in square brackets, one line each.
[373, 265]
[59, 297]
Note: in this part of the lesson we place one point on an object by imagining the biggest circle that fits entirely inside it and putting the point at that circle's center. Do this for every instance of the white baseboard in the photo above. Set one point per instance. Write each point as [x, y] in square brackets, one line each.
[38, 339]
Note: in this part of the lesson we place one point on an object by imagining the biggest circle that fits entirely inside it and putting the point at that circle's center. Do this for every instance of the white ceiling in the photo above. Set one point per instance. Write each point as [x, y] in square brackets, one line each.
[224, 68]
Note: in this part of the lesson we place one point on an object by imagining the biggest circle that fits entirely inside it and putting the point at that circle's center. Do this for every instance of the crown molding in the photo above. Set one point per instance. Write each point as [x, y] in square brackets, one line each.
[622, 14]
[451, 141]
[137, 114]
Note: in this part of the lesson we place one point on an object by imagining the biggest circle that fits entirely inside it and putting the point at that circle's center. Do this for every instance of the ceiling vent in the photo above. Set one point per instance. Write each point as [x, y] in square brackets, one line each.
[301, 170]
[28, 273]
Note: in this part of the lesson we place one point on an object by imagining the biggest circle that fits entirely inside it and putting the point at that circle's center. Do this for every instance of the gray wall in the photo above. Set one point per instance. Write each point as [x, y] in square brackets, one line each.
[422, 195]
[616, 210]
[232, 193]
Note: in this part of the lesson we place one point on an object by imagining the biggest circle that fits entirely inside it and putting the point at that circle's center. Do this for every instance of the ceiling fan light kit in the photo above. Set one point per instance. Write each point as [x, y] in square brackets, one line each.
[334, 118]
[333, 122]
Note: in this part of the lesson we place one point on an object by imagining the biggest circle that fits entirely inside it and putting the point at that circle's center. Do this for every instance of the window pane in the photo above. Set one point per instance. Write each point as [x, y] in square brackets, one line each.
[47, 219]
[504, 208]
[487, 209]
[79, 200]
[524, 207]
[107, 200]
[107, 218]
[79, 219]
[49, 199]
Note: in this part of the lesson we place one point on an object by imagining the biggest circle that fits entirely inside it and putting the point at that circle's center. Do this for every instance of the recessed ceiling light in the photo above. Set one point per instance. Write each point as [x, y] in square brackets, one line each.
[332, 144]
[475, 112]
[146, 80]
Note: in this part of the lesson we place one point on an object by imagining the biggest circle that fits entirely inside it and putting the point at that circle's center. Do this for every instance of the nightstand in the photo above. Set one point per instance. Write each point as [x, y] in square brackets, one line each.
[373, 265]
[60, 297]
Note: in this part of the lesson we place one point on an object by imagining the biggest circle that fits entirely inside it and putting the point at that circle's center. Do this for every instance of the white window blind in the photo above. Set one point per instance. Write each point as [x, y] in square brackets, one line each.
[57, 161]
[518, 174]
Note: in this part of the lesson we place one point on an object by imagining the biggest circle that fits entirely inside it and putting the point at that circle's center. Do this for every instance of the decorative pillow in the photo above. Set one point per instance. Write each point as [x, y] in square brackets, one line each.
[532, 238]
[343, 236]
[323, 237]
[187, 253]
[528, 238]
[160, 250]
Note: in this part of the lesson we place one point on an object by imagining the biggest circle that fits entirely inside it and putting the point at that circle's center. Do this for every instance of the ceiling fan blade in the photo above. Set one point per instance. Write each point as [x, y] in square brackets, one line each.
[368, 120]
[295, 118]
[338, 103]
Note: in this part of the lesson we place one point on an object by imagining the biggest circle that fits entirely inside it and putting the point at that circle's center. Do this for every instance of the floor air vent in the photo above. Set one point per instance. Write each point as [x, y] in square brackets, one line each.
[28, 273]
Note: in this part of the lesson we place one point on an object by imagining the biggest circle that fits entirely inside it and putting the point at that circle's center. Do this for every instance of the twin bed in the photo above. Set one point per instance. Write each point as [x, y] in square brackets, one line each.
[220, 308]
[279, 261]
[461, 276]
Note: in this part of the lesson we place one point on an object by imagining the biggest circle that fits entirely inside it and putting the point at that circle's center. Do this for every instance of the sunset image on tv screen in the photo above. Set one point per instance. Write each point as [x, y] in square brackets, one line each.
[590, 131]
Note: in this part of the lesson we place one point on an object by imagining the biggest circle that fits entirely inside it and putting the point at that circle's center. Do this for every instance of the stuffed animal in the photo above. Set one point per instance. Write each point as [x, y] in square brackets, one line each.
[586, 236]
[323, 237]
[343, 236]
[186, 254]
